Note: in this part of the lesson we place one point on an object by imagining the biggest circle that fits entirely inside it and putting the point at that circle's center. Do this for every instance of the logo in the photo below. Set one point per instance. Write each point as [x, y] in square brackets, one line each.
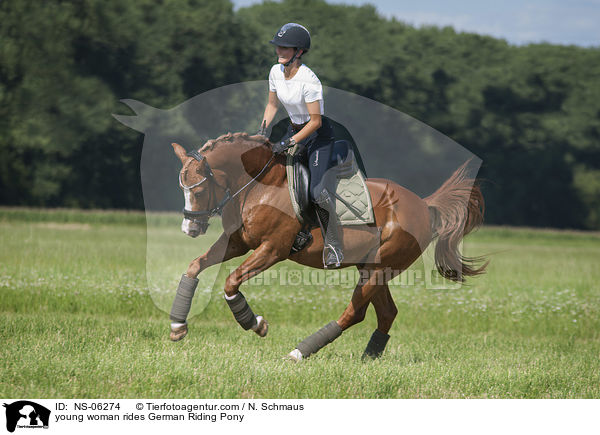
[288, 26]
[26, 414]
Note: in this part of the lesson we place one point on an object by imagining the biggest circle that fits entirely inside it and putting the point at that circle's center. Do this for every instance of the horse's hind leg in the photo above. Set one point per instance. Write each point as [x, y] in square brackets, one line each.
[386, 311]
[370, 282]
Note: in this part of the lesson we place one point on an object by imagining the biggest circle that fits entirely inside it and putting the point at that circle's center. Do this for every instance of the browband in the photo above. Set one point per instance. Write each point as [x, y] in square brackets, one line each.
[199, 157]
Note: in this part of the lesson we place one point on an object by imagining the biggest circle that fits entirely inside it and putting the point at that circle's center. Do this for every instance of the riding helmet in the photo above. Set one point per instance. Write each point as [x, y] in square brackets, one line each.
[292, 35]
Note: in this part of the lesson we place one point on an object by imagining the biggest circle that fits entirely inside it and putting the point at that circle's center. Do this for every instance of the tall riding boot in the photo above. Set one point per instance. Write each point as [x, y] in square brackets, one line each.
[332, 245]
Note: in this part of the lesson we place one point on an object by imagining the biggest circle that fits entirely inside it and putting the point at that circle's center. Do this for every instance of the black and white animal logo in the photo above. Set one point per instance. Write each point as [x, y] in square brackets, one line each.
[26, 414]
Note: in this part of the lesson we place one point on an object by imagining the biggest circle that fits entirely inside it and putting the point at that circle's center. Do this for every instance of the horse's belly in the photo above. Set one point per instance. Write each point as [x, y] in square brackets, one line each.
[360, 245]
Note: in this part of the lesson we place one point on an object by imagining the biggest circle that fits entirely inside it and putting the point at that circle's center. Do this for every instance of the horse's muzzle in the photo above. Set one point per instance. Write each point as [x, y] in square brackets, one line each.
[194, 228]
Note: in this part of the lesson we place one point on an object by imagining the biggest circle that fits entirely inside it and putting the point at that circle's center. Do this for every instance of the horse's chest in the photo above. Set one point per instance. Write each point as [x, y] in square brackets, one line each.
[244, 228]
[251, 231]
[266, 213]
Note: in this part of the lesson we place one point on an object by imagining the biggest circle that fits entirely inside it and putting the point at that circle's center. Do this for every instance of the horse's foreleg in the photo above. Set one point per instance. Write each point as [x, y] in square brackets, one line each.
[386, 311]
[261, 259]
[225, 248]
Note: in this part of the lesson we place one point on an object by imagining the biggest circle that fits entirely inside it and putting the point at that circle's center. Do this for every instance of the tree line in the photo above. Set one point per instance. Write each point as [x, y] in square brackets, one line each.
[532, 113]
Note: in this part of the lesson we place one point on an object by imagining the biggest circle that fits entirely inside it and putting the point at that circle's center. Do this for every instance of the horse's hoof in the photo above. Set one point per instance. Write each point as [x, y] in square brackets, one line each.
[179, 332]
[262, 326]
[366, 357]
[294, 356]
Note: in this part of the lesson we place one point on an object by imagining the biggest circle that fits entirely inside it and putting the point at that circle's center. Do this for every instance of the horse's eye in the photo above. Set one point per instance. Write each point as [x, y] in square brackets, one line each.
[197, 194]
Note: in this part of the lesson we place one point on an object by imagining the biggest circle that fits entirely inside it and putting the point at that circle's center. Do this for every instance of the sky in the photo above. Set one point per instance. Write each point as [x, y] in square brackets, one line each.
[518, 21]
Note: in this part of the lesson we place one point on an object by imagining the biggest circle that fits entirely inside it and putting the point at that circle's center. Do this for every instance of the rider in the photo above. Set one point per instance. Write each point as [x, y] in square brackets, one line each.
[299, 90]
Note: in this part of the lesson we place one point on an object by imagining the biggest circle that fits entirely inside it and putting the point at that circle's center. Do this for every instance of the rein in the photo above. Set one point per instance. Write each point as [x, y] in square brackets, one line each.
[195, 216]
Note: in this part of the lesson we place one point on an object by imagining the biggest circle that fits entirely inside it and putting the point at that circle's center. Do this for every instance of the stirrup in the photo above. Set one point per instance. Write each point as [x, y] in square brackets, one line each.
[332, 257]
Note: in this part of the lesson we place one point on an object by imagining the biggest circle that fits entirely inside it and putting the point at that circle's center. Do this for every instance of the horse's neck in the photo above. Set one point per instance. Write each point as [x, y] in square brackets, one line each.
[258, 162]
[243, 162]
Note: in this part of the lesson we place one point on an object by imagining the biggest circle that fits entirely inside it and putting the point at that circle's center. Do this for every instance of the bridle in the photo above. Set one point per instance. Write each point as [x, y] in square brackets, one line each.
[201, 217]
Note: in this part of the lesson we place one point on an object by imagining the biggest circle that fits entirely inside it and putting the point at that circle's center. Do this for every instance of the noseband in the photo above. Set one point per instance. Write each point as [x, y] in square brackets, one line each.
[201, 217]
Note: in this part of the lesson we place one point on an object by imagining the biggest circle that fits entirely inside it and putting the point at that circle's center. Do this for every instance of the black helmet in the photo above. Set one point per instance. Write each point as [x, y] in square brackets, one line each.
[292, 35]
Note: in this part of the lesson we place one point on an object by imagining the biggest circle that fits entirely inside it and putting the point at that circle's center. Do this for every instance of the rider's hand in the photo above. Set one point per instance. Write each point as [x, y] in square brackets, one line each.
[280, 147]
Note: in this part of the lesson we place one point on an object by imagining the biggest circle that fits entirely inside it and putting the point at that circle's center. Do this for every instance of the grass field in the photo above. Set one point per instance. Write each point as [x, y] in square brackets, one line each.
[78, 320]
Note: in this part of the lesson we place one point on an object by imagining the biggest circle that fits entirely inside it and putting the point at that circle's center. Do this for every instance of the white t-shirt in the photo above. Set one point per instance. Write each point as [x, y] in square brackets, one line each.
[304, 87]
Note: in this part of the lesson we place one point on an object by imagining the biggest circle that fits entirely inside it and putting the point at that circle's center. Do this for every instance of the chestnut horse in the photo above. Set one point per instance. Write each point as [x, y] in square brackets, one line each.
[238, 176]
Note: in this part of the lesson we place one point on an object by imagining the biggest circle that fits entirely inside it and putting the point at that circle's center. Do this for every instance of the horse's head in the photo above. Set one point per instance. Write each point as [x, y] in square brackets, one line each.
[239, 160]
[200, 188]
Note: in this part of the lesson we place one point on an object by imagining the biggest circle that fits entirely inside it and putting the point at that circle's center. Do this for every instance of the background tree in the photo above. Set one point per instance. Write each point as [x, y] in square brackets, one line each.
[532, 113]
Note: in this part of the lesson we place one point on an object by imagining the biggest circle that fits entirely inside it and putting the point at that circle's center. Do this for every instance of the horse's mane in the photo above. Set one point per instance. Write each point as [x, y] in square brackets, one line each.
[233, 137]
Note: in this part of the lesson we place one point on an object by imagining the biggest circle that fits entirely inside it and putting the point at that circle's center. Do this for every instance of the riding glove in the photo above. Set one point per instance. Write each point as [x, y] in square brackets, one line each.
[280, 147]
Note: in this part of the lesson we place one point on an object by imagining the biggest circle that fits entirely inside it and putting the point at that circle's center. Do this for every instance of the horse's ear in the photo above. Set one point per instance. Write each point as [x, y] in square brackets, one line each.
[179, 151]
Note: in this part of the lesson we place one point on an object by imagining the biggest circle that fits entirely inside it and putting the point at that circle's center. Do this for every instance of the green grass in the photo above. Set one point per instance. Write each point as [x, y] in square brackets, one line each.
[78, 320]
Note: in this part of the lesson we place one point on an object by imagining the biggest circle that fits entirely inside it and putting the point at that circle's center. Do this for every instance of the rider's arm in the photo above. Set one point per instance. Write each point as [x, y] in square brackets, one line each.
[314, 110]
[271, 109]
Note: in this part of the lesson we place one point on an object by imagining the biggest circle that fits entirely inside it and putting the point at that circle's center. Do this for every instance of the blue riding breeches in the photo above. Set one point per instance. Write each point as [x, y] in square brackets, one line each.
[320, 149]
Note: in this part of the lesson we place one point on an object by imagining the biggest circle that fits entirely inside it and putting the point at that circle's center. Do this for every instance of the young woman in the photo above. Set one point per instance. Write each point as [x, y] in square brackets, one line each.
[298, 88]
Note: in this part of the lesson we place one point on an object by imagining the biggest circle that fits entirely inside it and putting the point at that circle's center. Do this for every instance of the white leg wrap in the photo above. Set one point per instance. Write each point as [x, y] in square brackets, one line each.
[295, 355]
[258, 319]
[175, 325]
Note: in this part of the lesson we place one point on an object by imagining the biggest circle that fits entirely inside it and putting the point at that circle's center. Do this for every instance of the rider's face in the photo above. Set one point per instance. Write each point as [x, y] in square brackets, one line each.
[284, 54]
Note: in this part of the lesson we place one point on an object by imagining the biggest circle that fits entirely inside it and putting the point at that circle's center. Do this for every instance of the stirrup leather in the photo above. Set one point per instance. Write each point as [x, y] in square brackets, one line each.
[332, 251]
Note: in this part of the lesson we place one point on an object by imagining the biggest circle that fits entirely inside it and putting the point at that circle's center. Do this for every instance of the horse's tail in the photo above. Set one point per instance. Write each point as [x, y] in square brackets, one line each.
[456, 209]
